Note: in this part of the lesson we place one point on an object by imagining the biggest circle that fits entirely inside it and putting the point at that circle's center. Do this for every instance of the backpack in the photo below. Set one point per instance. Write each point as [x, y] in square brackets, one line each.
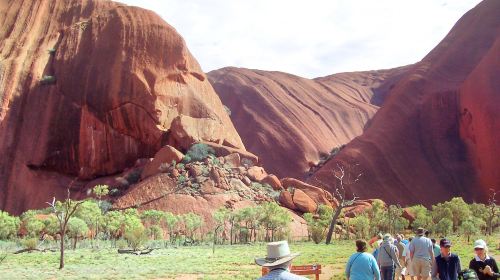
[467, 274]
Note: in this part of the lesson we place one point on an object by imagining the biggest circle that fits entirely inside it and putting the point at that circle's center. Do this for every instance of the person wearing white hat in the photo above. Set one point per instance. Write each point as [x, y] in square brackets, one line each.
[278, 260]
[485, 266]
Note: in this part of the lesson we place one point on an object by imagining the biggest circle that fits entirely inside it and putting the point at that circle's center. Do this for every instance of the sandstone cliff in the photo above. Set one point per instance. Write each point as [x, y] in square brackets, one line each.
[437, 133]
[86, 88]
[292, 122]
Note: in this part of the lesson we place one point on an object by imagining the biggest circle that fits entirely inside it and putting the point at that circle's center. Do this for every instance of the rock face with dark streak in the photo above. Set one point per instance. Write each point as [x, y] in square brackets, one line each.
[115, 79]
[480, 118]
[437, 133]
[289, 121]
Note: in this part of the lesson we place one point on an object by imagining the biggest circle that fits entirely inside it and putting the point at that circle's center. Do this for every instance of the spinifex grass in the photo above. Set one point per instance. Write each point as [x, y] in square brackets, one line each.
[197, 262]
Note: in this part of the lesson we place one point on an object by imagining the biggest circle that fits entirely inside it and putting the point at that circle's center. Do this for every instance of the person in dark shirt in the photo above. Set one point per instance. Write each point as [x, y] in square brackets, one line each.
[485, 266]
[447, 265]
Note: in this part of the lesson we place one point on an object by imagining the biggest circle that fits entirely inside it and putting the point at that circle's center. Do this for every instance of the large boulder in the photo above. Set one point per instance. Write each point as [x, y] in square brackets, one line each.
[186, 131]
[256, 173]
[286, 200]
[222, 151]
[165, 155]
[273, 181]
[233, 159]
[303, 202]
[320, 196]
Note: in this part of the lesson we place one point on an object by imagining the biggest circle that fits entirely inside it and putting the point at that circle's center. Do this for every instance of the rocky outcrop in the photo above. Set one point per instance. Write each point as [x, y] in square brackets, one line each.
[319, 195]
[166, 154]
[436, 135]
[292, 123]
[303, 202]
[89, 86]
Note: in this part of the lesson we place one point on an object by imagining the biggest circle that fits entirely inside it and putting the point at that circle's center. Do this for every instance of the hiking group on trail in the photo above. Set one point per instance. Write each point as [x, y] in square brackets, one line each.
[418, 258]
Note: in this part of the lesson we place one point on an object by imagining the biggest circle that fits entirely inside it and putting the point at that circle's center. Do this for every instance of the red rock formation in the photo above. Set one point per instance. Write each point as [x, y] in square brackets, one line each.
[166, 154]
[121, 75]
[320, 196]
[436, 135]
[289, 121]
[480, 118]
[303, 202]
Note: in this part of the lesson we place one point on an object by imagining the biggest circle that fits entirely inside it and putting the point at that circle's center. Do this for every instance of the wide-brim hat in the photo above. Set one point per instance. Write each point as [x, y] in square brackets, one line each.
[277, 253]
[420, 231]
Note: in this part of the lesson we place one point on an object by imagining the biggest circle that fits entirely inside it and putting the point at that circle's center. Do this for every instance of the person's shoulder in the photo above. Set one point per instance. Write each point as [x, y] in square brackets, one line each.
[290, 276]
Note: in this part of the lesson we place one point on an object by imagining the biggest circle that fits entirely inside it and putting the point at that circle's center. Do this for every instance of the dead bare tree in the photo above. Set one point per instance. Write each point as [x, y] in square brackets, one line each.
[339, 192]
[63, 211]
[493, 211]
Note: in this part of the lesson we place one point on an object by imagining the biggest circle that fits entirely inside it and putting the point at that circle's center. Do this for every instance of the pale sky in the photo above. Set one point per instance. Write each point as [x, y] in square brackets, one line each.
[309, 38]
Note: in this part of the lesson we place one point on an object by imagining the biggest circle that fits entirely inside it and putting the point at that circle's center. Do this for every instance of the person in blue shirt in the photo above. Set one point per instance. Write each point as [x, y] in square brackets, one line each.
[362, 265]
[447, 265]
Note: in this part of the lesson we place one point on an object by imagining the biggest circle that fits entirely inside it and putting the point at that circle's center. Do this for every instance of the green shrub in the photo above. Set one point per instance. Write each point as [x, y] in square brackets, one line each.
[9, 225]
[48, 80]
[121, 244]
[30, 243]
[198, 152]
[134, 176]
[246, 162]
[136, 237]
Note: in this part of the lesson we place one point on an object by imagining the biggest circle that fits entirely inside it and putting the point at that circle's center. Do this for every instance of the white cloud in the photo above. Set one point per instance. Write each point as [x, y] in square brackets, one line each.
[309, 38]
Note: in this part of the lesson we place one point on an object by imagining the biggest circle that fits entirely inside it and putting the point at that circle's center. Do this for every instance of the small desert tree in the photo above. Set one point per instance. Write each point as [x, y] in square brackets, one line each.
[273, 218]
[220, 218]
[113, 221]
[470, 227]
[444, 226]
[345, 176]
[318, 224]
[90, 212]
[153, 218]
[394, 219]
[100, 191]
[493, 212]
[9, 225]
[64, 211]
[172, 222]
[361, 224]
[192, 222]
[76, 228]
[422, 215]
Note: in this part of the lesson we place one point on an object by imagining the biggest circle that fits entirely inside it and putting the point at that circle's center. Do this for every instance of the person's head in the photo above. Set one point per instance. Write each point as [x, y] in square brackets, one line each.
[410, 239]
[445, 246]
[380, 236]
[433, 241]
[427, 233]
[286, 265]
[360, 245]
[278, 256]
[420, 232]
[387, 237]
[480, 248]
[399, 238]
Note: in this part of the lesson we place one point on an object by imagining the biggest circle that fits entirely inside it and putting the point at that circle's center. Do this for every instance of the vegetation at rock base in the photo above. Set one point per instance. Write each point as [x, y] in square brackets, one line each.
[198, 152]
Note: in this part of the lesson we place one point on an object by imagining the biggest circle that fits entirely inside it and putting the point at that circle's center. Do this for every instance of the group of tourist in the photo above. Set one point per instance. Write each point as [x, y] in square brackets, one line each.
[418, 258]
